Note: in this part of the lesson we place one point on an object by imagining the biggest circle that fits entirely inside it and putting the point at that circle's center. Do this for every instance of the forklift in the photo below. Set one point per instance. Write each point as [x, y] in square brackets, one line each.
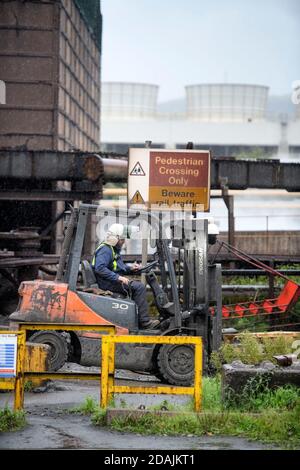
[186, 291]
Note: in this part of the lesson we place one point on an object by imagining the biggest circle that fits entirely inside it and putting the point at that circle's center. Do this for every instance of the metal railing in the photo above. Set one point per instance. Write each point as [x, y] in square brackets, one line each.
[17, 383]
[108, 386]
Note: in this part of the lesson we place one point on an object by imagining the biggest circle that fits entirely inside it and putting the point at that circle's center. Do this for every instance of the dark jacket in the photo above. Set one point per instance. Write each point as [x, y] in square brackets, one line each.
[104, 270]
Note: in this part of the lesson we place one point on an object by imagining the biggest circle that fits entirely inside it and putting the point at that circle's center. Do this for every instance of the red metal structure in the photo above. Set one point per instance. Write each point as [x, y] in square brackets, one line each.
[288, 296]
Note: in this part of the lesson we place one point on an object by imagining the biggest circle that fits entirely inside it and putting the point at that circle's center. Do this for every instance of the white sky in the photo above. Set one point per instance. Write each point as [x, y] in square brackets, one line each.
[173, 43]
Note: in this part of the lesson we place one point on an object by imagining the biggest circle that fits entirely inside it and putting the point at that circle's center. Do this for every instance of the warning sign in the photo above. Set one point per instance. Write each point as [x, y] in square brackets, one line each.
[169, 177]
[179, 178]
[137, 198]
[137, 170]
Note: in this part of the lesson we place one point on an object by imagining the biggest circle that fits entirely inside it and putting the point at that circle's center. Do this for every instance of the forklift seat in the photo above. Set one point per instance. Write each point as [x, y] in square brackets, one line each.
[89, 278]
[88, 275]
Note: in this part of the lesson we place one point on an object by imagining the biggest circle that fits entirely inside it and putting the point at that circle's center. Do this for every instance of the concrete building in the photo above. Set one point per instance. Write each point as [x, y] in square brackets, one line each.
[50, 65]
[229, 119]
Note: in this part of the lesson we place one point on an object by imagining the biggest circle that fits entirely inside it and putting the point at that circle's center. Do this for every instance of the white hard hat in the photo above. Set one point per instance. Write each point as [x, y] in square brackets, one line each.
[115, 233]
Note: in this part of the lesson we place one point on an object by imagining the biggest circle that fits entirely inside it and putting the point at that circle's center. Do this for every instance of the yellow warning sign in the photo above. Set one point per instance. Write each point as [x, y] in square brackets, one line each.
[137, 198]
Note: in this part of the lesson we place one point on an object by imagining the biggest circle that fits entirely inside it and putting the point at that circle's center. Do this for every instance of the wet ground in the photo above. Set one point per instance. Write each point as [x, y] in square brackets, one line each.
[51, 426]
[52, 429]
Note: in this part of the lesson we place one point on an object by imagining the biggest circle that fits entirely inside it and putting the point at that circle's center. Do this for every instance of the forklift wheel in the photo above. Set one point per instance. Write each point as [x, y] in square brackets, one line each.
[58, 344]
[175, 364]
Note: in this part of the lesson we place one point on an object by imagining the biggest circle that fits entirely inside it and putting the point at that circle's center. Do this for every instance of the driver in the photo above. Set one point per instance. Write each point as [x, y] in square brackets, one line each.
[110, 269]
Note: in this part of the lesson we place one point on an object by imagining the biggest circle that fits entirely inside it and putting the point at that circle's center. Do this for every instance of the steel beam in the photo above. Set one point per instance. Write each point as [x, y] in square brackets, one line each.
[264, 174]
[47, 195]
[105, 167]
[50, 165]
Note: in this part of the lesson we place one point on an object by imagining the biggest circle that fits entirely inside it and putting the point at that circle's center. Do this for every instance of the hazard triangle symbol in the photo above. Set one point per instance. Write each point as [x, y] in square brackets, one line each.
[137, 170]
[137, 198]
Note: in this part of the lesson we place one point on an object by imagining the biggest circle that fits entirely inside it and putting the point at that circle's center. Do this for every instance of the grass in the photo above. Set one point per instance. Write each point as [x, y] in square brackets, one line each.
[11, 420]
[269, 426]
[269, 416]
[252, 350]
[88, 407]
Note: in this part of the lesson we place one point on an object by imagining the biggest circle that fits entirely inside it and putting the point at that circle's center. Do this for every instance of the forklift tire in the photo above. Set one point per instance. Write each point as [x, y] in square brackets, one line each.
[58, 344]
[175, 363]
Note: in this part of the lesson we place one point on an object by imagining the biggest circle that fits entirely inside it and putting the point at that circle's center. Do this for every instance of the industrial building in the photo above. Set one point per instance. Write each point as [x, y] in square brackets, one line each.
[50, 65]
[229, 119]
[49, 106]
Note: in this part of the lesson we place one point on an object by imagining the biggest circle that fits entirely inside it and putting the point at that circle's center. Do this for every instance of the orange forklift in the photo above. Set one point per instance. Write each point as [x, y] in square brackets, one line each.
[185, 290]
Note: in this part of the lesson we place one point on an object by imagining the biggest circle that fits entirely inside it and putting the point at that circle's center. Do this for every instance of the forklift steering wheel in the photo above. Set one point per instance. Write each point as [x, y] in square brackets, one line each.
[146, 268]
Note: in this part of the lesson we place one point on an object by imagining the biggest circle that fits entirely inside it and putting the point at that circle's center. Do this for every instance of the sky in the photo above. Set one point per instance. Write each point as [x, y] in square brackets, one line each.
[173, 43]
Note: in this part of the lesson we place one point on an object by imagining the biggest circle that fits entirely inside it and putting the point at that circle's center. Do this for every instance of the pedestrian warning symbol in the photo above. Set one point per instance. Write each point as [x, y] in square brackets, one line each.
[137, 170]
[137, 198]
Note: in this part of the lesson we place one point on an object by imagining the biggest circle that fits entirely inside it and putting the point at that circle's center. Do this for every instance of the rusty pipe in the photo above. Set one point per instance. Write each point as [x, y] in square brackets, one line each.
[114, 170]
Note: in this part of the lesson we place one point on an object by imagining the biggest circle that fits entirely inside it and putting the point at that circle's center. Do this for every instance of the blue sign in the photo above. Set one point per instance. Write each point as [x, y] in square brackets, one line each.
[8, 355]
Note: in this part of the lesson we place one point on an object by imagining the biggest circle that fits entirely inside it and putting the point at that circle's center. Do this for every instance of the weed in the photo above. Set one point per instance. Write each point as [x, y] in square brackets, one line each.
[277, 345]
[99, 417]
[28, 386]
[11, 420]
[123, 403]
[271, 416]
[87, 408]
[211, 399]
[269, 426]
[251, 350]
[256, 396]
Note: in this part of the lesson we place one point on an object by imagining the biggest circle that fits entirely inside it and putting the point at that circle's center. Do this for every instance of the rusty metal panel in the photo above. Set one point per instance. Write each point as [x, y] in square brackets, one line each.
[71, 166]
[264, 174]
[37, 357]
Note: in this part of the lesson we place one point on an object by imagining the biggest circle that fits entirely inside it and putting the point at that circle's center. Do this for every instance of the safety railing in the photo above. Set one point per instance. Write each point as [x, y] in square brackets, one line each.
[108, 387]
[17, 383]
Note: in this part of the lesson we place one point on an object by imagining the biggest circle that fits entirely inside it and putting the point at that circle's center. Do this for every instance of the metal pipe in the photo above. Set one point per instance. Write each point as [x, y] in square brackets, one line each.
[115, 170]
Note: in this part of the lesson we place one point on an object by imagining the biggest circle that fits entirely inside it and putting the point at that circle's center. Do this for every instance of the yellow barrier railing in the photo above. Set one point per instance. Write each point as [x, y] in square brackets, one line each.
[17, 383]
[108, 368]
[108, 386]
